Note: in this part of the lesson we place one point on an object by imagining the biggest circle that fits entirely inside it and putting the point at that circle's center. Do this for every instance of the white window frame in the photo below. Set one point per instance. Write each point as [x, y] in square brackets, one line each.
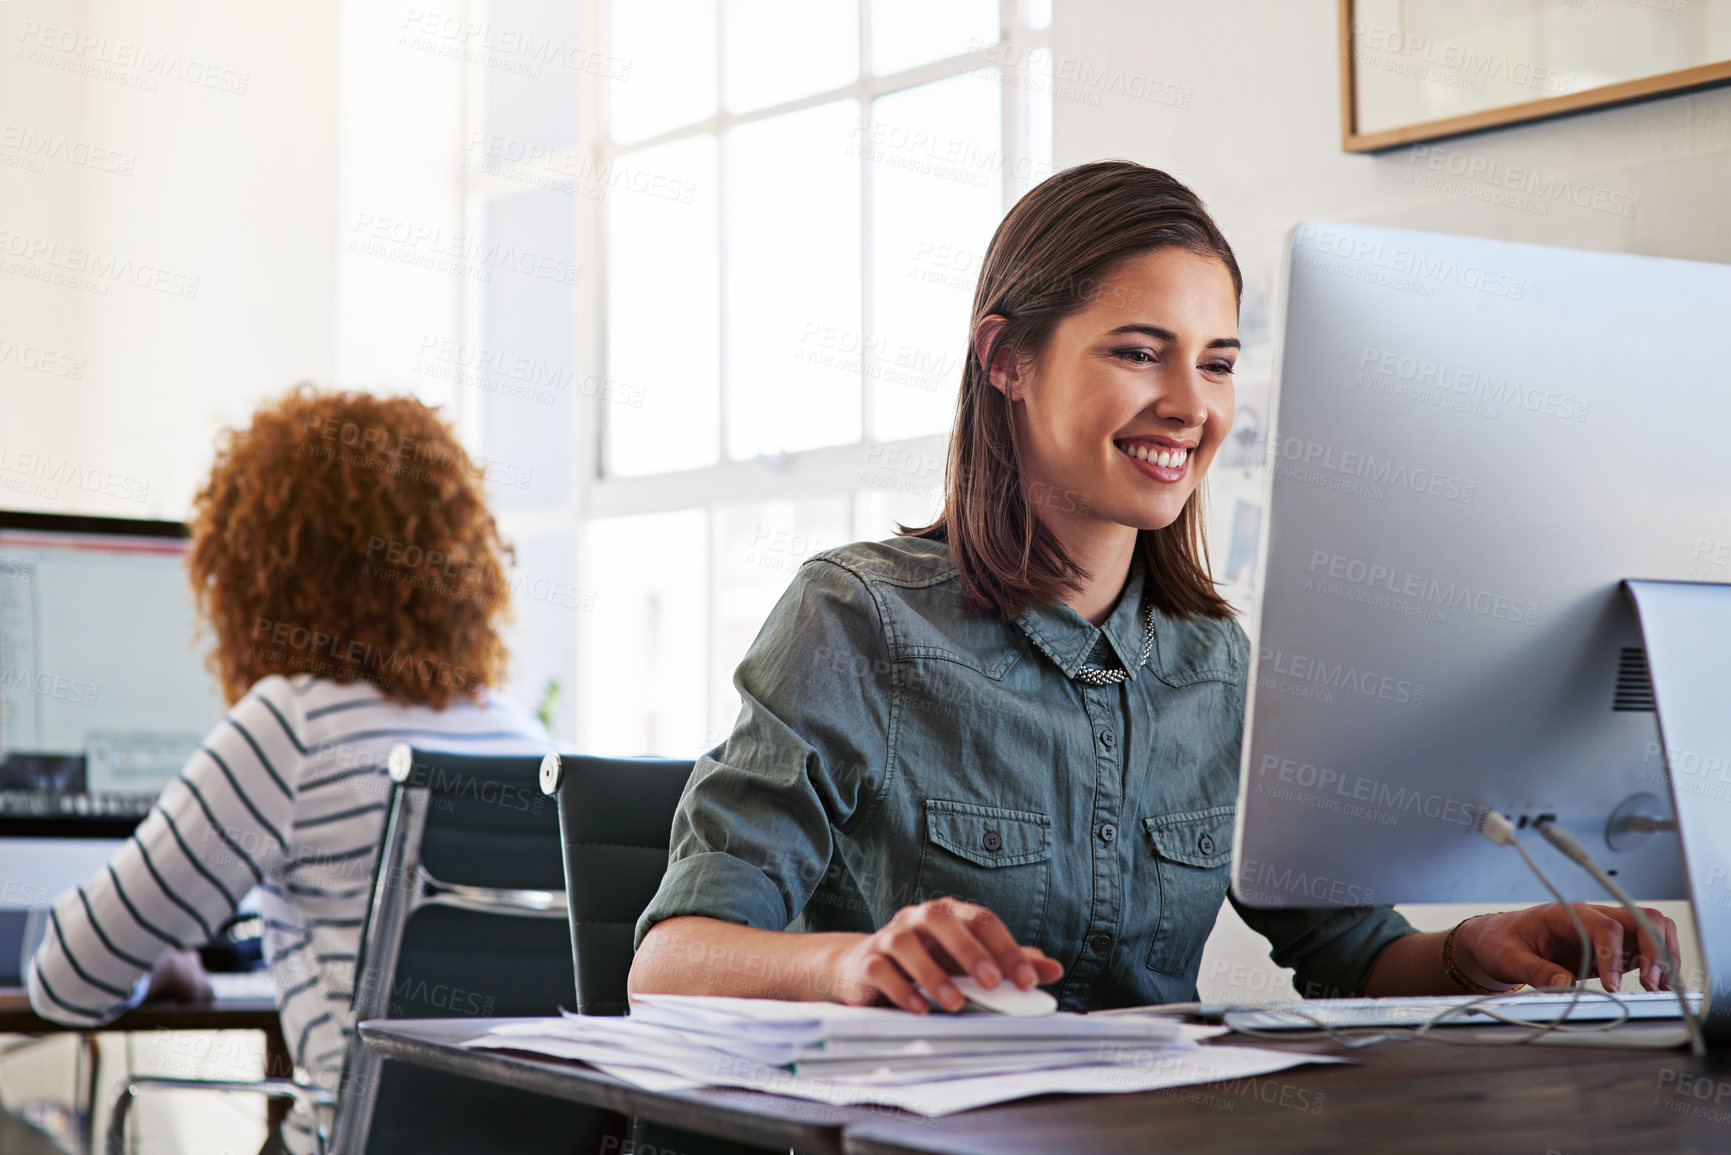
[825, 471]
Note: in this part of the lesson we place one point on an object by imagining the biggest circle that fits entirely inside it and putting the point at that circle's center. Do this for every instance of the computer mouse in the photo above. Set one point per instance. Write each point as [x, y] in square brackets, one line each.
[1005, 999]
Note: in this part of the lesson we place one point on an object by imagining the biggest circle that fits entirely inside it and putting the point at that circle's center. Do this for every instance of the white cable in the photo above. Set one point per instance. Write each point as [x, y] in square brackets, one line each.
[1571, 847]
[1501, 832]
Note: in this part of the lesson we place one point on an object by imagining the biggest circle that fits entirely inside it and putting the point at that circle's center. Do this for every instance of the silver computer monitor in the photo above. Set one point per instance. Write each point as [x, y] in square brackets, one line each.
[103, 695]
[1475, 442]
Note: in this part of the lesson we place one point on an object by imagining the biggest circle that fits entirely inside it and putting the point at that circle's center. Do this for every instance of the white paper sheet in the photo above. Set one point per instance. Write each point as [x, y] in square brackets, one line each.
[786, 1032]
[809, 1021]
[649, 1039]
[931, 1068]
[1202, 1065]
[1133, 1067]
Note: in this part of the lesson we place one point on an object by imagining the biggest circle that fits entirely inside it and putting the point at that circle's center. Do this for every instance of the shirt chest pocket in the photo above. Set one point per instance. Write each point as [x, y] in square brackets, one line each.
[1192, 857]
[999, 859]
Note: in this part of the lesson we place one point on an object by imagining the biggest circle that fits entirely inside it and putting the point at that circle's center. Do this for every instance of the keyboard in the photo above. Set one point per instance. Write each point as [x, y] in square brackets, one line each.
[242, 985]
[50, 804]
[1416, 1010]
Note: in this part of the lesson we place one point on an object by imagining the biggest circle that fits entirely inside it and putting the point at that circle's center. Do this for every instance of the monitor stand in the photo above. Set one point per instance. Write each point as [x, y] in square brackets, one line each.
[1686, 628]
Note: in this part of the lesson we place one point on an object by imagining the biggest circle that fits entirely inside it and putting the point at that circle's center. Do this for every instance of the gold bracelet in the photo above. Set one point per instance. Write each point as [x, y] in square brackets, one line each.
[1459, 976]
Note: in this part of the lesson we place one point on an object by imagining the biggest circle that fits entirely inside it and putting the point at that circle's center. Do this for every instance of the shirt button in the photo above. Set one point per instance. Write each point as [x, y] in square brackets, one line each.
[1108, 739]
[1205, 844]
[1108, 832]
[1101, 943]
[993, 841]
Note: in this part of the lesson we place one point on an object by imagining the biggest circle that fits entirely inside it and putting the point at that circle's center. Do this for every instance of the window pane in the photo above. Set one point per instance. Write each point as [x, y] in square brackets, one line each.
[793, 281]
[534, 75]
[937, 194]
[661, 70]
[1039, 146]
[642, 647]
[877, 512]
[523, 367]
[760, 547]
[660, 406]
[784, 49]
[907, 33]
[1039, 14]
[541, 633]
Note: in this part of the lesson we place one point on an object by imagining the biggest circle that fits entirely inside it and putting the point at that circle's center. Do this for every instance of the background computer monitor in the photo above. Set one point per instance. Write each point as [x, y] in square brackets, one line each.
[103, 691]
[103, 694]
[1475, 442]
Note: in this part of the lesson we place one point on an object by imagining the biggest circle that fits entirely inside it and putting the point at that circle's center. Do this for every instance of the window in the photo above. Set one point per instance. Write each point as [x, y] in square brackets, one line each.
[788, 204]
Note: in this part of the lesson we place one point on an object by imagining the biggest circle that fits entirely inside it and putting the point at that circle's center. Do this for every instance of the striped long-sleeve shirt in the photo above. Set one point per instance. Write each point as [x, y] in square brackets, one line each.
[287, 794]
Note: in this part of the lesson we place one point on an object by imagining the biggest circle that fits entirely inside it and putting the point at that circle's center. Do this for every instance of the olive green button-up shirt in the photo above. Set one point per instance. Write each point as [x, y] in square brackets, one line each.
[892, 747]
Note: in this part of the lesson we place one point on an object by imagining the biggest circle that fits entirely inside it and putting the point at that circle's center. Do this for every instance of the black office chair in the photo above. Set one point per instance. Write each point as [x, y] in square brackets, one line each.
[616, 824]
[467, 897]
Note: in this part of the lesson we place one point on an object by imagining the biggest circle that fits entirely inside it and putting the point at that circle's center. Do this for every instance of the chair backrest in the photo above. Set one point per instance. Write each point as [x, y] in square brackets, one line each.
[615, 824]
[467, 918]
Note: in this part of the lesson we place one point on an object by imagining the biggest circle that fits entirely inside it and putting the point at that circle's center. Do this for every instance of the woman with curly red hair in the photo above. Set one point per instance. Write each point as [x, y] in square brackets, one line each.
[344, 558]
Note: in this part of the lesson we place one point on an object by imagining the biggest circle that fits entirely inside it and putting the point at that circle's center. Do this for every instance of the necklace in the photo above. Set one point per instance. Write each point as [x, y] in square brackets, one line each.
[1099, 676]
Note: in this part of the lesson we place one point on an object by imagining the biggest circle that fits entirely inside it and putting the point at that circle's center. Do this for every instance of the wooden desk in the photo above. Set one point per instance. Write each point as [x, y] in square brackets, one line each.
[16, 1017]
[1400, 1096]
[744, 1116]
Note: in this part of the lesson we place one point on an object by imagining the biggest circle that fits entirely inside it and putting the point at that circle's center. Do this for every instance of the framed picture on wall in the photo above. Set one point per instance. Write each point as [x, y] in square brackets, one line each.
[1414, 70]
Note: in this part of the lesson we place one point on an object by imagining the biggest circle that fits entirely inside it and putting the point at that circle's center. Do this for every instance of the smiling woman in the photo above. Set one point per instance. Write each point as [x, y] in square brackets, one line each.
[1062, 318]
[1007, 744]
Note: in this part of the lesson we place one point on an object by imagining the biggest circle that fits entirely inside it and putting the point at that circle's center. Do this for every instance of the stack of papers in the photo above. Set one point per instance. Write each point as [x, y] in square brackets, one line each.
[931, 1064]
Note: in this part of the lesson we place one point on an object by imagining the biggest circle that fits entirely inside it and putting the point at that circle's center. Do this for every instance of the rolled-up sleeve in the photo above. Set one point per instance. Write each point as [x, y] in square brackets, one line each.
[752, 836]
[1333, 950]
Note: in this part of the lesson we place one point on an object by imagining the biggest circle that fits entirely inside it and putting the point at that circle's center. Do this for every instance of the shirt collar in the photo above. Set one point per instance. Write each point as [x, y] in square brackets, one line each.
[1067, 638]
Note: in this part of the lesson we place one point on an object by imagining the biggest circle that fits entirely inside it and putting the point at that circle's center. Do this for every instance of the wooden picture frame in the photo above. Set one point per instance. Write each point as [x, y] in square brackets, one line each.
[1602, 96]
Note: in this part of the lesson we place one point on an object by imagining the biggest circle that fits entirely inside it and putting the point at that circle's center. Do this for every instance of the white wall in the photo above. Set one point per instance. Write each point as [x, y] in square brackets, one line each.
[191, 146]
[1240, 100]
[400, 171]
[1259, 139]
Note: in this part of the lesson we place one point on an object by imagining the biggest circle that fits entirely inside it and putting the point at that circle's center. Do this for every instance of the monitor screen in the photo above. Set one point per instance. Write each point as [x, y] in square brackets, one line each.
[1476, 443]
[103, 690]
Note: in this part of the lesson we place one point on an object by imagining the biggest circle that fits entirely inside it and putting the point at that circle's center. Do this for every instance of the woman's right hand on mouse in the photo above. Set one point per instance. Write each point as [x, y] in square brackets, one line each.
[927, 943]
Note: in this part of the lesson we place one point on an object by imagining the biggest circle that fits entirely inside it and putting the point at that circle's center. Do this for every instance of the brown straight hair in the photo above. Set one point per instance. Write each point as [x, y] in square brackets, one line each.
[1051, 256]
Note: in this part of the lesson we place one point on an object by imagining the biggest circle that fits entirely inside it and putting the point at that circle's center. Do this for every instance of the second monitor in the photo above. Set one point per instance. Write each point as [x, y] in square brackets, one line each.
[1477, 442]
[103, 694]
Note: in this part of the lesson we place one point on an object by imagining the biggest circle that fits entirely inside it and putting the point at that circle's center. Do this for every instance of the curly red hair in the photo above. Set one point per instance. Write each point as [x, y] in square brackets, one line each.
[347, 535]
